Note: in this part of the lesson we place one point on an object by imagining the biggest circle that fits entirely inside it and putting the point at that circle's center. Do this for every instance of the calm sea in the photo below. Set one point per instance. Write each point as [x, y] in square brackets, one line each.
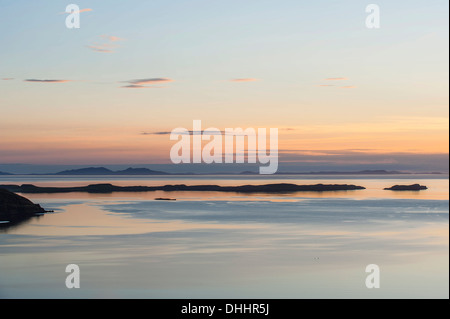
[230, 245]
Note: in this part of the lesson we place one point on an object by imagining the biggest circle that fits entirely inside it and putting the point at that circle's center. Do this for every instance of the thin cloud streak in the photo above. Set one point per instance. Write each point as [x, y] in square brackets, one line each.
[47, 81]
[149, 81]
[185, 133]
[193, 133]
[146, 83]
[112, 38]
[106, 47]
[99, 48]
[135, 86]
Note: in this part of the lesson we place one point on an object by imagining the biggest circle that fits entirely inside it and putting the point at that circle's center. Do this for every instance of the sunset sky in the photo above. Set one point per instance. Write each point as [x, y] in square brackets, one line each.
[336, 90]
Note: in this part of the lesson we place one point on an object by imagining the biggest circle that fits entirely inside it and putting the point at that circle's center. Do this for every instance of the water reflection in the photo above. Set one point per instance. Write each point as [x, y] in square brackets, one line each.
[6, 226]
[310, 248]
[216, 245]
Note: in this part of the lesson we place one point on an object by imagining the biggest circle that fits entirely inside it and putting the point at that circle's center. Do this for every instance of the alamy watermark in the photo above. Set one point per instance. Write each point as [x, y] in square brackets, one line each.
[373, 19]
[73, 279]
[373, 279]
[73, 18]
[228, 146]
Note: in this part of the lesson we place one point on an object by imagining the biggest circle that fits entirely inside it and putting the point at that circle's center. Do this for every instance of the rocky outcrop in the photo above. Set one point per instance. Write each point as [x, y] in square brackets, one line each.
[15, 208]
[414, 187]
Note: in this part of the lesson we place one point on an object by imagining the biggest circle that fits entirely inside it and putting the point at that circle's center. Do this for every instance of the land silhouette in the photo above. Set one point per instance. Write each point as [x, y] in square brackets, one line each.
[109, 188]
[145, 172]
[414, 187]
[105, 171]
[15, 209]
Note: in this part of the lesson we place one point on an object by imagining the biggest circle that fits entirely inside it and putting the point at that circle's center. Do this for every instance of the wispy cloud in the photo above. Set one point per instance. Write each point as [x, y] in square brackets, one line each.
[244, 80]
[155, 133]
[100, 48]
[134, 86]
[146, 83]
[150, 81]
[7, 79]
[47, 81]
[186, 133]
[222, 132]
[112, 38]
[337, 79]
[107, 45]
[206, 132]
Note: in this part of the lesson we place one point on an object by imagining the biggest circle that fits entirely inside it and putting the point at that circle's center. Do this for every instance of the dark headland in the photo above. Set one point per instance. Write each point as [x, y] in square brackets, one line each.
[109, 188]
[15, 209]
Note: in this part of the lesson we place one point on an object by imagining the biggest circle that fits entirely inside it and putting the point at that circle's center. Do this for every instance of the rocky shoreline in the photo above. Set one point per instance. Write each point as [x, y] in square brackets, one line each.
[15, 209]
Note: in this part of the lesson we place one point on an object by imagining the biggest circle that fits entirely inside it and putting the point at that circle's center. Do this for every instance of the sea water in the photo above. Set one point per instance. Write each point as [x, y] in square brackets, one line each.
[230, 245]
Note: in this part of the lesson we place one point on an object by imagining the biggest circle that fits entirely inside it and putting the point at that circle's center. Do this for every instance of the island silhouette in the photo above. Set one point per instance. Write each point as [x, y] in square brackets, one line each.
[109, 188]
[414, 187]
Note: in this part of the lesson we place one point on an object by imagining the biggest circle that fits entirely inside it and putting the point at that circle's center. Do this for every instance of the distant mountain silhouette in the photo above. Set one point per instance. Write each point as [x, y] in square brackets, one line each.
[105, 171]
[87, 171]
[139, 171]
[146, 171]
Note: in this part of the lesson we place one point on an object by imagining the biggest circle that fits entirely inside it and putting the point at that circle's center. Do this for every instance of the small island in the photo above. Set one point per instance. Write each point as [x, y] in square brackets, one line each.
[414, 187]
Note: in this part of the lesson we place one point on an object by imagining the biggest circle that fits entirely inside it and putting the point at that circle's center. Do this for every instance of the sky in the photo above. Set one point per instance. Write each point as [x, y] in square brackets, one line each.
[338, 92]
